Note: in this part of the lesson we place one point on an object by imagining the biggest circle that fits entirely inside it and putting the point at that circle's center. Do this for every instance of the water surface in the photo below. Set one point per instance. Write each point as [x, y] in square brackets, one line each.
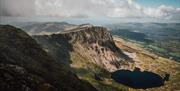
[138, 79]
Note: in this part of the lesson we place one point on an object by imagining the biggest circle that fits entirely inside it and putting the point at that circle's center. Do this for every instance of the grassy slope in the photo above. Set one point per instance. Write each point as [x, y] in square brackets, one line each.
[85, 70]
[151, 62]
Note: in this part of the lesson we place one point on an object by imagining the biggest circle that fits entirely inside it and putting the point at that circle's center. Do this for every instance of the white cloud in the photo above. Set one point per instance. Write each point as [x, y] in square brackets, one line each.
[163, 12]
[17, 7]
[72, 8]
[86, 8]
[127, 9]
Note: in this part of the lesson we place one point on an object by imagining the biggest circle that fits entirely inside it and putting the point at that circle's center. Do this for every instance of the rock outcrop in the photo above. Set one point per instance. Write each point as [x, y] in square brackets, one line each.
[25, 66]
[92, 42]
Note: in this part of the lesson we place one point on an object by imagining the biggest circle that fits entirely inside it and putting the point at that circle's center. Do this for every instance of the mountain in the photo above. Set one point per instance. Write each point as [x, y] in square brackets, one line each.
[25, 66]
[41, 28]
[93, 54]
[92, 42]
[69, 60]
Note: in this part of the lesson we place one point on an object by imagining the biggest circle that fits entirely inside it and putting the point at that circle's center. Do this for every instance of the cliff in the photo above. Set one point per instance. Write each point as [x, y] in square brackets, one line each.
[92, 42]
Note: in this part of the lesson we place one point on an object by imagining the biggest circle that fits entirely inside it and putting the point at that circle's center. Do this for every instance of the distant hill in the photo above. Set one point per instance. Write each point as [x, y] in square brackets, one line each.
[159, 38]
[41, 28]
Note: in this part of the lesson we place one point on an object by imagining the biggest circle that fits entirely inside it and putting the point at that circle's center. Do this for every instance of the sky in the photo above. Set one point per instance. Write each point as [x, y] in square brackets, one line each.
[168, 10]
[156, 3]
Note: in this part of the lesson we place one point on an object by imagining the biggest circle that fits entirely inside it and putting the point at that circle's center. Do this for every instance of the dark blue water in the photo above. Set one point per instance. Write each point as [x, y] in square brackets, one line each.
[138, 79]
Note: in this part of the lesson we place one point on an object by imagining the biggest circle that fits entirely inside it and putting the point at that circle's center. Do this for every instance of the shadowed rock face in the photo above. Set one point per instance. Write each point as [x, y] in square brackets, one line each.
[92, 42]
[15, 78]
[24, 66]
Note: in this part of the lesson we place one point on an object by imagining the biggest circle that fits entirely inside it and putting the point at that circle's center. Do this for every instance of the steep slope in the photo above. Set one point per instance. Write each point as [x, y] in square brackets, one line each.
[24, 66]
[92, 52]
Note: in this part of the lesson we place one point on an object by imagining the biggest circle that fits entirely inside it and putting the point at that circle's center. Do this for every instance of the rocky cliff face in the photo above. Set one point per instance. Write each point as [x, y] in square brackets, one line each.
[92, 42]
[24, 66]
